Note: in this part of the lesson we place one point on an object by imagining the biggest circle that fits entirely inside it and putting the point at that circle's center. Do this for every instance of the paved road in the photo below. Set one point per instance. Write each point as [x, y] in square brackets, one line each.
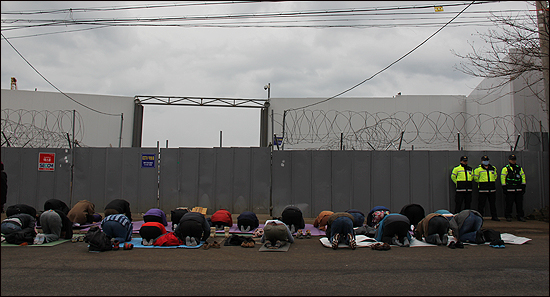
[307, 268]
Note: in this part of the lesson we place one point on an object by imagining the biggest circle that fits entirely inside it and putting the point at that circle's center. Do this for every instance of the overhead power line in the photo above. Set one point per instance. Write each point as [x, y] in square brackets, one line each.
[385, 68]
[36, 70]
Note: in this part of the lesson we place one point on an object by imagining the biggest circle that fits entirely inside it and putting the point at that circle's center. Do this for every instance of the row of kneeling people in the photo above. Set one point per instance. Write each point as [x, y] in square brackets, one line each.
[190, 228]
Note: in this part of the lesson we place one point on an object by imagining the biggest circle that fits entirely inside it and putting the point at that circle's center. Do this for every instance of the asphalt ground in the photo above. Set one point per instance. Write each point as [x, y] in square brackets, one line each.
[308, 268]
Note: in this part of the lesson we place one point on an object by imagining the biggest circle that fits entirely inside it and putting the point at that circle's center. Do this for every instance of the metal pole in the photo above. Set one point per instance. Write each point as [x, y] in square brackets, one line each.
[458, 136]
[341, 140]
[401, 140]
[166, 143]
[220, 138]
[120, 137]
[283, 141]
[74, 113]
[72, 162]
[517, 140]
[541, 138]
[273, 129]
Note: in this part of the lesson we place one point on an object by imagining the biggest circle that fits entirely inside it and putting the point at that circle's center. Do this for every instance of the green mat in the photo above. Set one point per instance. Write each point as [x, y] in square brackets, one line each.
[60, 241]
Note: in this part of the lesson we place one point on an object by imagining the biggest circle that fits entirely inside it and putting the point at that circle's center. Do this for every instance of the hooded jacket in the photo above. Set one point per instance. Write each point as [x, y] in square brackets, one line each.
[322, 219]
[222, 216]
[82, 212]
[155, 215]
[390, 218]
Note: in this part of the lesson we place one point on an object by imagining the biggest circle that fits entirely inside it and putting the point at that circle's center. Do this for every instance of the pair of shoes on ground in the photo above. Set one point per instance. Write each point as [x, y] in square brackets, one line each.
[456, 245]
[77, 238]
[352, 242]
[495, 219]
[243, 229]
[213, 244]
[275, 246]
[300, 234]
[39, 239]
[259, 232]
[191, 241]
[380, 246]
[335, 240]
[497, 243]
[249, 243]
[405, 242]
[146, 242]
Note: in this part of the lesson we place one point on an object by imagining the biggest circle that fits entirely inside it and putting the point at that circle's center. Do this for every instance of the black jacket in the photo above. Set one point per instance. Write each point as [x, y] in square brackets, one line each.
[21, 208]
[121, 206]
[27, 221]
[197, 217]
[56, 204]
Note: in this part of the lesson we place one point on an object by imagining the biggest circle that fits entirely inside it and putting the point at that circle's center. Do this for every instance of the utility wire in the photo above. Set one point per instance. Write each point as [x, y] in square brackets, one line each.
[101, 112]
[72, 10]
[402, 57]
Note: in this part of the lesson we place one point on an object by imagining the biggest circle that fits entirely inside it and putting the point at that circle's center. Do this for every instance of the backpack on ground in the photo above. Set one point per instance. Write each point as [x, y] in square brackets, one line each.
[98, 240]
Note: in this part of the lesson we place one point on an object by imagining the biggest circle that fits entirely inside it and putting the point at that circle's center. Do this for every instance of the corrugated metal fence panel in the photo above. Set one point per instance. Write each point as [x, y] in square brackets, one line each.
[281, 181]
[89, 176]
[321, 182]
[419, 172]
[535, 180]
[545, 177]
[207, 179]
[342, 181]
[400, 179]
[188, 179]
[147, 182]
[169, 193]
[224, 180]
[32, 187]
[261, 179]
[439, 179]
[301, 181]
[241, 199]
[380, 180]
[239, 179]
[104, 174]
[361, 197]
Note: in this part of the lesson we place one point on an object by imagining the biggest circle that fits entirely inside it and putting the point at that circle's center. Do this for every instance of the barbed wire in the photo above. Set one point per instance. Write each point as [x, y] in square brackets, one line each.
[40, 129]
[328, 130]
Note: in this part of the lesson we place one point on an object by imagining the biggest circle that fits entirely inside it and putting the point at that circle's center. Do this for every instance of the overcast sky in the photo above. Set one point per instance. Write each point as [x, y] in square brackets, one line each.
[317, 56]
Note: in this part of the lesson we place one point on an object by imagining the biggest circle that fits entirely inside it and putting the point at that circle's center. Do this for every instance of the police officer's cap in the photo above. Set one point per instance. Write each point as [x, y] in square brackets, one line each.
[463, 158]
[512, 157]
[485, 158]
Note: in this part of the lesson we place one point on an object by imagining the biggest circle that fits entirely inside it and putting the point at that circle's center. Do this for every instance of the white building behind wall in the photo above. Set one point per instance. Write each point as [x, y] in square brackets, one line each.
[34, 115]
[487, 119]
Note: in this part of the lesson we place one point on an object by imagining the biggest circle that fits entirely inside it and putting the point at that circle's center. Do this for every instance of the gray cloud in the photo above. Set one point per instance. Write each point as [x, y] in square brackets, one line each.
[232, 62]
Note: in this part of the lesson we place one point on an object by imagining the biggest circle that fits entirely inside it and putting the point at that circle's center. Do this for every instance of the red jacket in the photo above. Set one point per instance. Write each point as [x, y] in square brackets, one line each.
[223, 216]
[155, 224]
[168, 239]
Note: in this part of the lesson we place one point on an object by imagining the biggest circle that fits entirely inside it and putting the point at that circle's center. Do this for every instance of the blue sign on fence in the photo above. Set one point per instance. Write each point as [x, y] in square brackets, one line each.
[278, 140]
[147, 160]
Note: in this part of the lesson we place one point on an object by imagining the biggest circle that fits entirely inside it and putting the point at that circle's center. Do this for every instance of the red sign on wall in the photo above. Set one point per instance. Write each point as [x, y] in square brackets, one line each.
[46, 161]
